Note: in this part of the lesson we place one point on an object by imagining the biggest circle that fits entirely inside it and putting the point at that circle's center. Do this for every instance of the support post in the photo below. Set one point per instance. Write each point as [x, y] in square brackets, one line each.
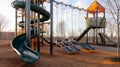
[15, 22]
[42, 28]
[51, 28]
[28, 31]
[87, 36]
[94, 30]
[35, 33]
[38, 29]
[104, 30]
[96, 25]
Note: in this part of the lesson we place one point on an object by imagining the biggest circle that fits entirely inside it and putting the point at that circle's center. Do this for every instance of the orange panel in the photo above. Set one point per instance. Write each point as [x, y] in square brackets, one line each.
[43, 1]
[94, 6]
[43, 27]
[40, 0]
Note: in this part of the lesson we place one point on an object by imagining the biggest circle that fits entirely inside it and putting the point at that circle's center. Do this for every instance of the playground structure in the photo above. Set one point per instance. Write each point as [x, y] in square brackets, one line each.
[94, 22]
[22, 43]
[32, 21]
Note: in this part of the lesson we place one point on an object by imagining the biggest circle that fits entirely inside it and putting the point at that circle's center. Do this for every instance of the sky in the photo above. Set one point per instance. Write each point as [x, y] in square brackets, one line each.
[9, 12]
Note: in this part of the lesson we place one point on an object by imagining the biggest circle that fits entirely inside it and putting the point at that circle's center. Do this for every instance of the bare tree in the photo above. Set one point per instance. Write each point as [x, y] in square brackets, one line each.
[114, 9]
[3, 24]
[60, 29]
[47, 28]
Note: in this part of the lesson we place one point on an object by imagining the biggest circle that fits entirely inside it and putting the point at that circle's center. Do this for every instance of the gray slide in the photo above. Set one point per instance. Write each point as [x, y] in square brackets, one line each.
[86, 46]
[72, 46]
[65, 47]
[103, 36]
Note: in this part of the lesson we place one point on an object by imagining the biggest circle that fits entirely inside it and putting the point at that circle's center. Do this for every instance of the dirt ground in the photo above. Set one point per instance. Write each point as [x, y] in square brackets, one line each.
[93, 58]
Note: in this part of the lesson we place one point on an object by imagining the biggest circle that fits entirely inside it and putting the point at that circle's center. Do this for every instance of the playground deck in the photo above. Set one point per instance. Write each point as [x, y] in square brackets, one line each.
[94, 58]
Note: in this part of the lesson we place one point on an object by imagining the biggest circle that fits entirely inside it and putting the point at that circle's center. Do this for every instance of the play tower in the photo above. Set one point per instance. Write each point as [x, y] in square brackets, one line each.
[93, 21]
[30, 20]
[95, 10]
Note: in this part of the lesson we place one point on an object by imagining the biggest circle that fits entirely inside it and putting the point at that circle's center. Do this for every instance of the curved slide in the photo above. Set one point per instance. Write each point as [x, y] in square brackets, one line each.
[19, 44]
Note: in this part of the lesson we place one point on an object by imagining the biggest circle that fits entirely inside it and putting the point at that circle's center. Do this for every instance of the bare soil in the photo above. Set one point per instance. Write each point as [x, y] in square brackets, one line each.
[84, 58]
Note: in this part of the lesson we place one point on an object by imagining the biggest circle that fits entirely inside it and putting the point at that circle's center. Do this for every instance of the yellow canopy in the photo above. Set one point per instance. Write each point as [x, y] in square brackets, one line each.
[94, 6]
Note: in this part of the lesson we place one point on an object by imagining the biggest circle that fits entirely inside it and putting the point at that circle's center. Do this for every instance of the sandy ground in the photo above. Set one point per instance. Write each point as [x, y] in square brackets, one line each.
[94, 58]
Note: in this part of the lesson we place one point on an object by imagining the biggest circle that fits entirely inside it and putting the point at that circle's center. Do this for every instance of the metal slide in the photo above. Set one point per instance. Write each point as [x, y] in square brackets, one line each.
[19, 44]
[72, 46]
[65, 47]
[103, 36]
[83, 34]
[85, 46]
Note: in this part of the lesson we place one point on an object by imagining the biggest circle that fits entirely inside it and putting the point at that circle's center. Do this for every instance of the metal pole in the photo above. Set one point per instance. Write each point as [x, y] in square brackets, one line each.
[87, 33]
[35, 39]
[38, 37]
[96, 25]
[42, 28]
[22, 21]
[94, 30]
[104, 30]
[51, 29]
[118, 35]
[15, 22]
[28, 32]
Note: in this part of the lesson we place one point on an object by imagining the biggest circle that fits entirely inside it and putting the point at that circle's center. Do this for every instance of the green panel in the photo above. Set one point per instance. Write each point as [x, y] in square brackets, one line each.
[100, 24]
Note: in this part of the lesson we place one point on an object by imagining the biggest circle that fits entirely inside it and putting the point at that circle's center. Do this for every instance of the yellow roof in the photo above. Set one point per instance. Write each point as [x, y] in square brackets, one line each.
[92, 8]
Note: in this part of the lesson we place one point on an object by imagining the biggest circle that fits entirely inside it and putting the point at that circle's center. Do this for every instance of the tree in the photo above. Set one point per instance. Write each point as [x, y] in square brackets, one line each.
[114, 9]
[60, 29]
[3, 24]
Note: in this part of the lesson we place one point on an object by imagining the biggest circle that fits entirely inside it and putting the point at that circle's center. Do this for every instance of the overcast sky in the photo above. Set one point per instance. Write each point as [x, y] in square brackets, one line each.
[9, 12]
